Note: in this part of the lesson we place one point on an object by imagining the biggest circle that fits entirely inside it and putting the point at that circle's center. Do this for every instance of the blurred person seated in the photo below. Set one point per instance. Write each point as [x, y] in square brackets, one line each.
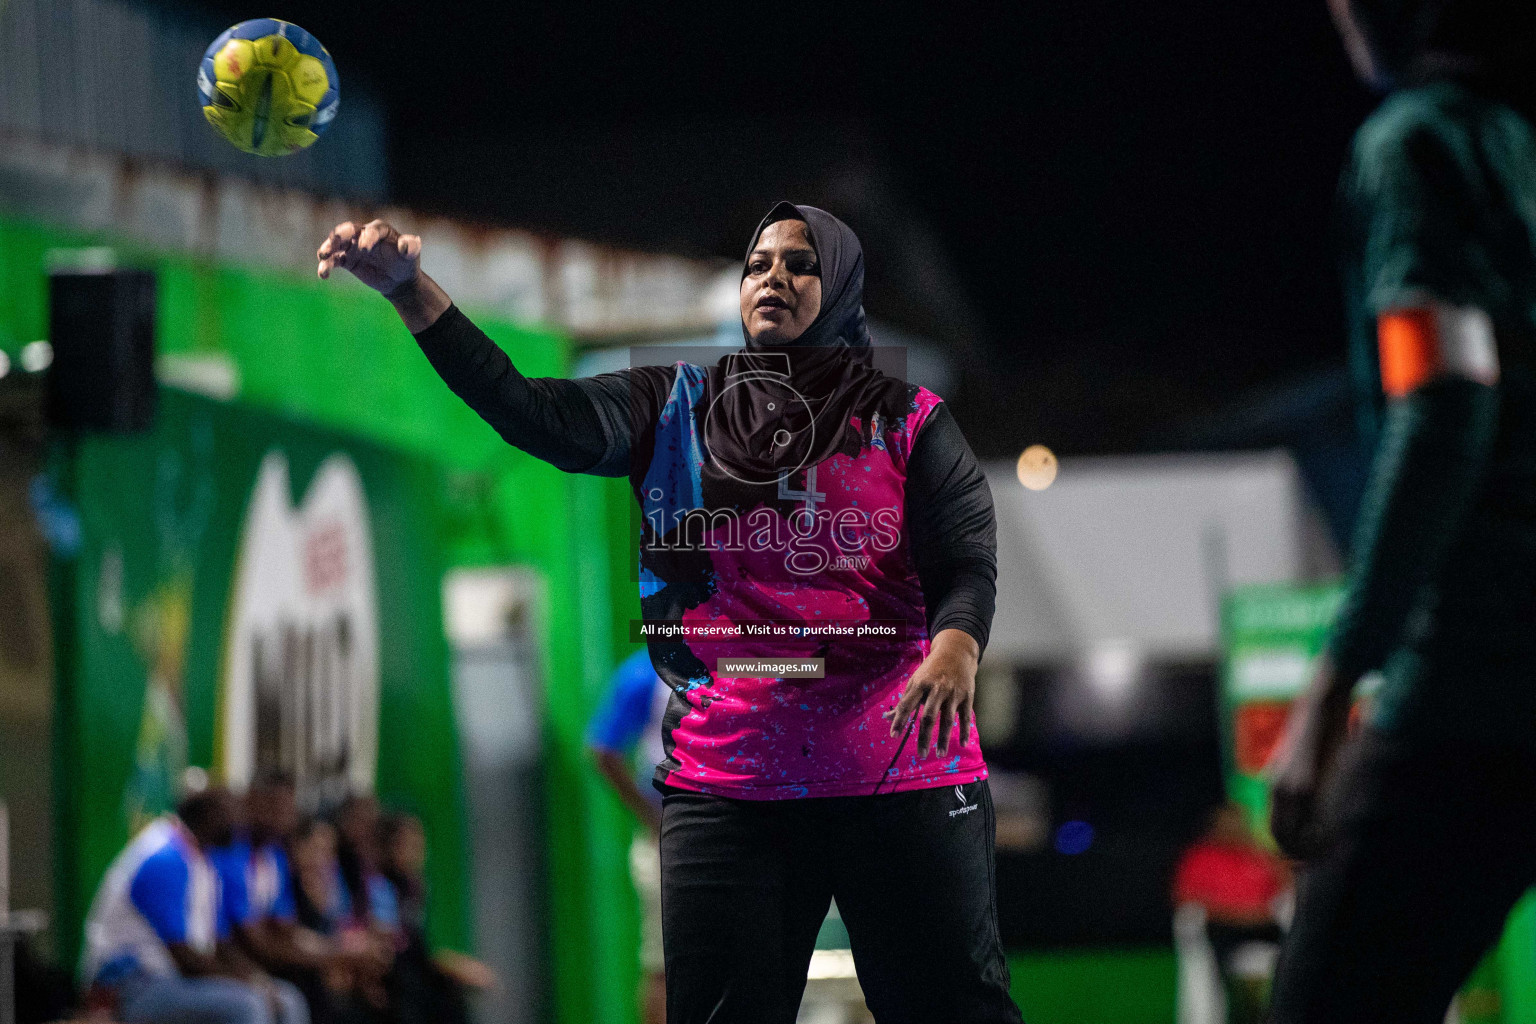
[354, 972]
[156, 941]
[625, 739]
[1242, 891]
[423, 987]
[367, 898]
[316, 876]
[366, 912]
[255, 880]
[260, 899]
[317, 889]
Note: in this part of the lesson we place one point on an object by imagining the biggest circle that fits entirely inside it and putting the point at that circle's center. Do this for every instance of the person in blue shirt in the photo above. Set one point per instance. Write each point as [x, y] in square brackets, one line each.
[258, 894]
[257, 885]
[157, 936]
[625, 739]
[366, 911]
[367, 898]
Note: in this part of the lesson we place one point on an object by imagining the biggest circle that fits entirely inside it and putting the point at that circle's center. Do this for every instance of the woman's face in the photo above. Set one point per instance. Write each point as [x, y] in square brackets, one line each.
[316, 852]
[781, 294]
[359, 825]
[408, 849]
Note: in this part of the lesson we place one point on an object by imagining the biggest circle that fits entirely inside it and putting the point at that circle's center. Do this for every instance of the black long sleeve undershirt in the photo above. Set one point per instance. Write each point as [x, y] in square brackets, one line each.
[547, 417]
[953, 529]
[591, 425]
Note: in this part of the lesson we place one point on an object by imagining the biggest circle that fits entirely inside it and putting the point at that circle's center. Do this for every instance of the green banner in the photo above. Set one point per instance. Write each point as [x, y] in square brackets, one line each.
[249, 593]
[1272, 634]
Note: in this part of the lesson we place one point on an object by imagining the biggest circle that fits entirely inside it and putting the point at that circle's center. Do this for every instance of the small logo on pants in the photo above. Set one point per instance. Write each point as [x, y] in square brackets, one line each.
[964, 807]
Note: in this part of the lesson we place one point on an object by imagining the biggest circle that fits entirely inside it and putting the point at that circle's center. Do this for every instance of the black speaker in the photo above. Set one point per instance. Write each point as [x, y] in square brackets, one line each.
[102, 327]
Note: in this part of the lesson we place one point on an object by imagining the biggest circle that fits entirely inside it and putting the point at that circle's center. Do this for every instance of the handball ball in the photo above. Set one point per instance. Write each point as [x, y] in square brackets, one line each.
[268, 87]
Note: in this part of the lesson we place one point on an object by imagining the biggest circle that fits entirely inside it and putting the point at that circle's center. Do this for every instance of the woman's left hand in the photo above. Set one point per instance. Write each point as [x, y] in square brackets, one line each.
[944, 685]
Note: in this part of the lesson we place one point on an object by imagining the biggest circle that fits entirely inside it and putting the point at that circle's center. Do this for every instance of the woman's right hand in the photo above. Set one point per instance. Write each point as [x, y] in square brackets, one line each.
[389, 263]
[378, 255]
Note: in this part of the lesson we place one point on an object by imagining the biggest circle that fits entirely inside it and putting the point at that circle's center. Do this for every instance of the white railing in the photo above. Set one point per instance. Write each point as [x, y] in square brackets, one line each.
[584, 289]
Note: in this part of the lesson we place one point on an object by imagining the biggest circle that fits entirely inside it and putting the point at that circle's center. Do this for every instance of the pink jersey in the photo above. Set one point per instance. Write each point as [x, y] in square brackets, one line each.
[832, 553]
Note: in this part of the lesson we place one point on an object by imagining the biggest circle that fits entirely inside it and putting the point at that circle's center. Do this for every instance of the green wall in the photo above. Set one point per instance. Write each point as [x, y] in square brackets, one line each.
[334, 354]
[149, 597]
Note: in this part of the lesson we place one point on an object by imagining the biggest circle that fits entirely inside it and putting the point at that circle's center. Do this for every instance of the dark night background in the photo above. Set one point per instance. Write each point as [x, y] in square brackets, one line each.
[1119, 215]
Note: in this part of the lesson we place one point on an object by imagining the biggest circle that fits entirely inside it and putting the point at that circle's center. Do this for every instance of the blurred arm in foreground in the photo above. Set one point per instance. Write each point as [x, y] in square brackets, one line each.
[1439, 373]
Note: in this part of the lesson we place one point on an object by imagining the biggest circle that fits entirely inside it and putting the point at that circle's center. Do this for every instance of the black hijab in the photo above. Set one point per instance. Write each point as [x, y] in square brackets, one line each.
[841, 320]
[806, 391]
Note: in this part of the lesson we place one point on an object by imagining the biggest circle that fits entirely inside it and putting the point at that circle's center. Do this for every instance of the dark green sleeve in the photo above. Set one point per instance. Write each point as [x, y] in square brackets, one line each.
[1416, 196]
[1429, 461]
[1420, 200]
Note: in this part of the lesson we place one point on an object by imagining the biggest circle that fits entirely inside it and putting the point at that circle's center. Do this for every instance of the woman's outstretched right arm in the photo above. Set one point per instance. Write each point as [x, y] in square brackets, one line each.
[578, 426]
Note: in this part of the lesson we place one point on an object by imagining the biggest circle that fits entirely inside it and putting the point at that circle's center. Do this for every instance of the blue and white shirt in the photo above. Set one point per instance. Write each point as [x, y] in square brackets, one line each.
[160, 891]
[257, 884]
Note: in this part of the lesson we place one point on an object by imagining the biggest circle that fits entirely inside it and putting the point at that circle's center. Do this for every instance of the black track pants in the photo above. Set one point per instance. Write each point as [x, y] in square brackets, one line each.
[746, 884]
[1431, 849]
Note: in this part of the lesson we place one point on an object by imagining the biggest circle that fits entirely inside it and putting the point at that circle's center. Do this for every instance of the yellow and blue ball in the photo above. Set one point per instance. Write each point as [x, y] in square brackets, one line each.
[268, 87]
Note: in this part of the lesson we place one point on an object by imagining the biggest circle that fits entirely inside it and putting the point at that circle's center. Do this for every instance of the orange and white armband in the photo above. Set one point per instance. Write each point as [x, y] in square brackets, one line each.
[1432, 339]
